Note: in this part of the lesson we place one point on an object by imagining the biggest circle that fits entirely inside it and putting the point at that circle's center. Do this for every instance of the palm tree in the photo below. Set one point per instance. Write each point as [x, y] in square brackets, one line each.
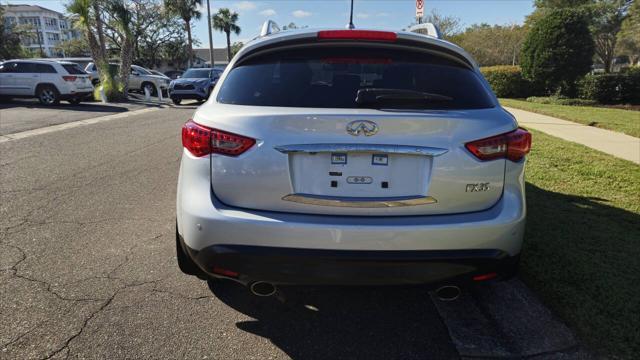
[88, 17]
[225, 20]
[187, 10]
[122, 17]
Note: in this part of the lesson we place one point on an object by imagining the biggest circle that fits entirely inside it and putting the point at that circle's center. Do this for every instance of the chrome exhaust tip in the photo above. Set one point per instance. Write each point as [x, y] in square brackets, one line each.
[262, 288]
[448, 293]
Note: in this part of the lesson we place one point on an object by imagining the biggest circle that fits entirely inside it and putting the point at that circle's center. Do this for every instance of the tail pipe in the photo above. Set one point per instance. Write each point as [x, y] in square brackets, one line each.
[262, 288]
[448, 293]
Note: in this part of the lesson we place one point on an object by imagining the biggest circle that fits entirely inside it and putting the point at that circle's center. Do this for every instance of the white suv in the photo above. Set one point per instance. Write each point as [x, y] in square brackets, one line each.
[351, 157]
[49, 81]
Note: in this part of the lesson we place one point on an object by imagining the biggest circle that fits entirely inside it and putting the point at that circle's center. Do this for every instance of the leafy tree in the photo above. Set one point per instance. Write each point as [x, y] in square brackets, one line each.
[226, 21]
[74, 47]
[493, 45]
[629, 35]
[175, 52]
[236, 47]
[560, 4]
[449, 26]
[557, 51]
[152, 29]
[606, 22]
[545, 6]
[10, 47]
[293, 26]
[187, 10]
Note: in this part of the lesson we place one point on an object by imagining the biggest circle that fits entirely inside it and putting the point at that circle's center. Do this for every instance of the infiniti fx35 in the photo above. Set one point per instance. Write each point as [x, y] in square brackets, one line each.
[351, 157]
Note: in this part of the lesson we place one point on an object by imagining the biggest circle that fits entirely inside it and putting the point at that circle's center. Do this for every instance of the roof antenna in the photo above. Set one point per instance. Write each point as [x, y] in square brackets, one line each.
[351, 26]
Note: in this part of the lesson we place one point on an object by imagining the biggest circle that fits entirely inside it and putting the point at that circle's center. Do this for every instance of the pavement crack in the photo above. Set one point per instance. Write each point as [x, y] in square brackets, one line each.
[156, 290]
[93, 315]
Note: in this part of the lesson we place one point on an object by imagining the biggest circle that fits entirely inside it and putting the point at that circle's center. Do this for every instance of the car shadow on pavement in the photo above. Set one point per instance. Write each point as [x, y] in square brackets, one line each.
[343, 322]
[84, 106]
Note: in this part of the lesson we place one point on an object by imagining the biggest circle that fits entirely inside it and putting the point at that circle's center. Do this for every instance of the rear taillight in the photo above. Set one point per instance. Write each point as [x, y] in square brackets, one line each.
[69, 78]
[201, 140]
[512, 145]
[365, 35]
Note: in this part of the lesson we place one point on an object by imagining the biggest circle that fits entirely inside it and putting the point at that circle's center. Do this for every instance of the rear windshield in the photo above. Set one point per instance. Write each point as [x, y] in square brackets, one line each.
[73, 69]
[333, 77]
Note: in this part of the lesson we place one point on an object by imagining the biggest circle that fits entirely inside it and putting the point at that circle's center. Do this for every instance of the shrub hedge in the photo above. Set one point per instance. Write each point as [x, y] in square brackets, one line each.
[507, 81]
[616, 88]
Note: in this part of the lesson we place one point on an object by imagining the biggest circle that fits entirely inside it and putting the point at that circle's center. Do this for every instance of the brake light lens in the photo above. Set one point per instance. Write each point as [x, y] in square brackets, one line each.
[69, 78]
[365, 35]
[201, 140]
[512, 145]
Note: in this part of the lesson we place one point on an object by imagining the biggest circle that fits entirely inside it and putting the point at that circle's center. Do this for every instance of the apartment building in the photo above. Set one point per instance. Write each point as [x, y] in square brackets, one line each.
[48, 27]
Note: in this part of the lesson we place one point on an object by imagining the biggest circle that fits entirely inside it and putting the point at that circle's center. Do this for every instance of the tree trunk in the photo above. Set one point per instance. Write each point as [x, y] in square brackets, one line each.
[126, 54]
[228, 46]
[189, 41]
[99, 29]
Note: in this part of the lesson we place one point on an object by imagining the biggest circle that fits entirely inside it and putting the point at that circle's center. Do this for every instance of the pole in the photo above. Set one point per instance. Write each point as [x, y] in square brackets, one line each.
[210, 35]
[351, 26]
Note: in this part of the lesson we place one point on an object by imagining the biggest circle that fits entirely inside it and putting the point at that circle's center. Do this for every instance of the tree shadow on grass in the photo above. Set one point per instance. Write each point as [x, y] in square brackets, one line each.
[343, 322]
[583, 257]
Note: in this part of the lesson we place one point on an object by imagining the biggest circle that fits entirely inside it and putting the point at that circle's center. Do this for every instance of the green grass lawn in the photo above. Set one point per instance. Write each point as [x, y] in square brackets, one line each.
[625, 121]
[582, 243]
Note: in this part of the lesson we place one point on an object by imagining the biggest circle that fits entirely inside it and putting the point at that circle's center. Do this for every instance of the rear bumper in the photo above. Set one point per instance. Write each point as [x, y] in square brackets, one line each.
[353, 267]
[305, 248]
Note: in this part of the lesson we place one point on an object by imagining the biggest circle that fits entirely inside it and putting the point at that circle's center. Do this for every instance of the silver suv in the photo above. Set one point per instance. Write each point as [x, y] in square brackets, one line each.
[139, 79]
[351, 157]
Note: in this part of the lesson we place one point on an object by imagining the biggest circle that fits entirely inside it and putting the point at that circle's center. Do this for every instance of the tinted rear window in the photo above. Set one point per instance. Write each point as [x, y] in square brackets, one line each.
[45, 69]
[331, 78]
[73, 69]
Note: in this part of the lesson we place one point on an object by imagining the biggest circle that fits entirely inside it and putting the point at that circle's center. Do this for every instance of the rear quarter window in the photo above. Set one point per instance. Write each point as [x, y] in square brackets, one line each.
[45, 69]
[73, 69]
[332, 77]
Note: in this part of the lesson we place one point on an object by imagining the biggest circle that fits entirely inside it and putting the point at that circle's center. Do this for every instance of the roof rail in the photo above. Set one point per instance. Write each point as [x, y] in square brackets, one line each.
[428, 29]
[269, 27]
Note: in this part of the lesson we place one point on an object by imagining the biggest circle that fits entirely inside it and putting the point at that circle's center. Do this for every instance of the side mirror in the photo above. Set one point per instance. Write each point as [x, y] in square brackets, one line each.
[178, 77]
[135, 73]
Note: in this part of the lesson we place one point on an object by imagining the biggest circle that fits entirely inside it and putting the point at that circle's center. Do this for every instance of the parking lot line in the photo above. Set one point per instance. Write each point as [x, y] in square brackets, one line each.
[70, 125]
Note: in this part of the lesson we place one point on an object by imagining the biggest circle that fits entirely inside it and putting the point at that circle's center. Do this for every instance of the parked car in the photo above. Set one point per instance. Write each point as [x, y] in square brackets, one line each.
[158, 73]
[351, 157]
[49, 81]
[174, 74]
[139, 79]
[194, 84]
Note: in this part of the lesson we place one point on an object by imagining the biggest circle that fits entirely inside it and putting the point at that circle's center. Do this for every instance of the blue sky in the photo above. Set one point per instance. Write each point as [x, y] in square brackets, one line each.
[384, 14]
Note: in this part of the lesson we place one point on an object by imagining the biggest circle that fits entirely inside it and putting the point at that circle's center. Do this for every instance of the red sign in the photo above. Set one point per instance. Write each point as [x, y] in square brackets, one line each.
[419, 8]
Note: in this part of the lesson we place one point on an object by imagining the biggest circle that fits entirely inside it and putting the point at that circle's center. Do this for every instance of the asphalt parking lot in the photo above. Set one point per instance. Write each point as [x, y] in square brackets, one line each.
[88, 270]
[27, 114]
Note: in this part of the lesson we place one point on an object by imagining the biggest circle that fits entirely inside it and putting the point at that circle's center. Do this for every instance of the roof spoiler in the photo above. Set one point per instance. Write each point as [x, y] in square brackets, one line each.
[269, 27]
[428, 29]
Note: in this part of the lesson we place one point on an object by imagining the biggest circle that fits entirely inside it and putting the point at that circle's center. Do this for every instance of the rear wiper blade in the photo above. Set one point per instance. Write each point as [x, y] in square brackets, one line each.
[377, 95]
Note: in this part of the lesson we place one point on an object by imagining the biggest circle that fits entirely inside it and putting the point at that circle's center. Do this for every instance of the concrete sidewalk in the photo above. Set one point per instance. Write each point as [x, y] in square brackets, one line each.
[610, 142]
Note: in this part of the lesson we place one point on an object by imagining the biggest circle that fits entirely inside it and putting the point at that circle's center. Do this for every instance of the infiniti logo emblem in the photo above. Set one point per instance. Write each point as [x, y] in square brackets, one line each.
[366, 127]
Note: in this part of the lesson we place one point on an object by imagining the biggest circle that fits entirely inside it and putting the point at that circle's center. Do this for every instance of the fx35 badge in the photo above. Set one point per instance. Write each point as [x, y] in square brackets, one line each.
[477, 187]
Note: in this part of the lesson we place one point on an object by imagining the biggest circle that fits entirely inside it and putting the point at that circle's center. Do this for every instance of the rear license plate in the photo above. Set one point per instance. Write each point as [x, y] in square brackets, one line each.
[360, 174]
